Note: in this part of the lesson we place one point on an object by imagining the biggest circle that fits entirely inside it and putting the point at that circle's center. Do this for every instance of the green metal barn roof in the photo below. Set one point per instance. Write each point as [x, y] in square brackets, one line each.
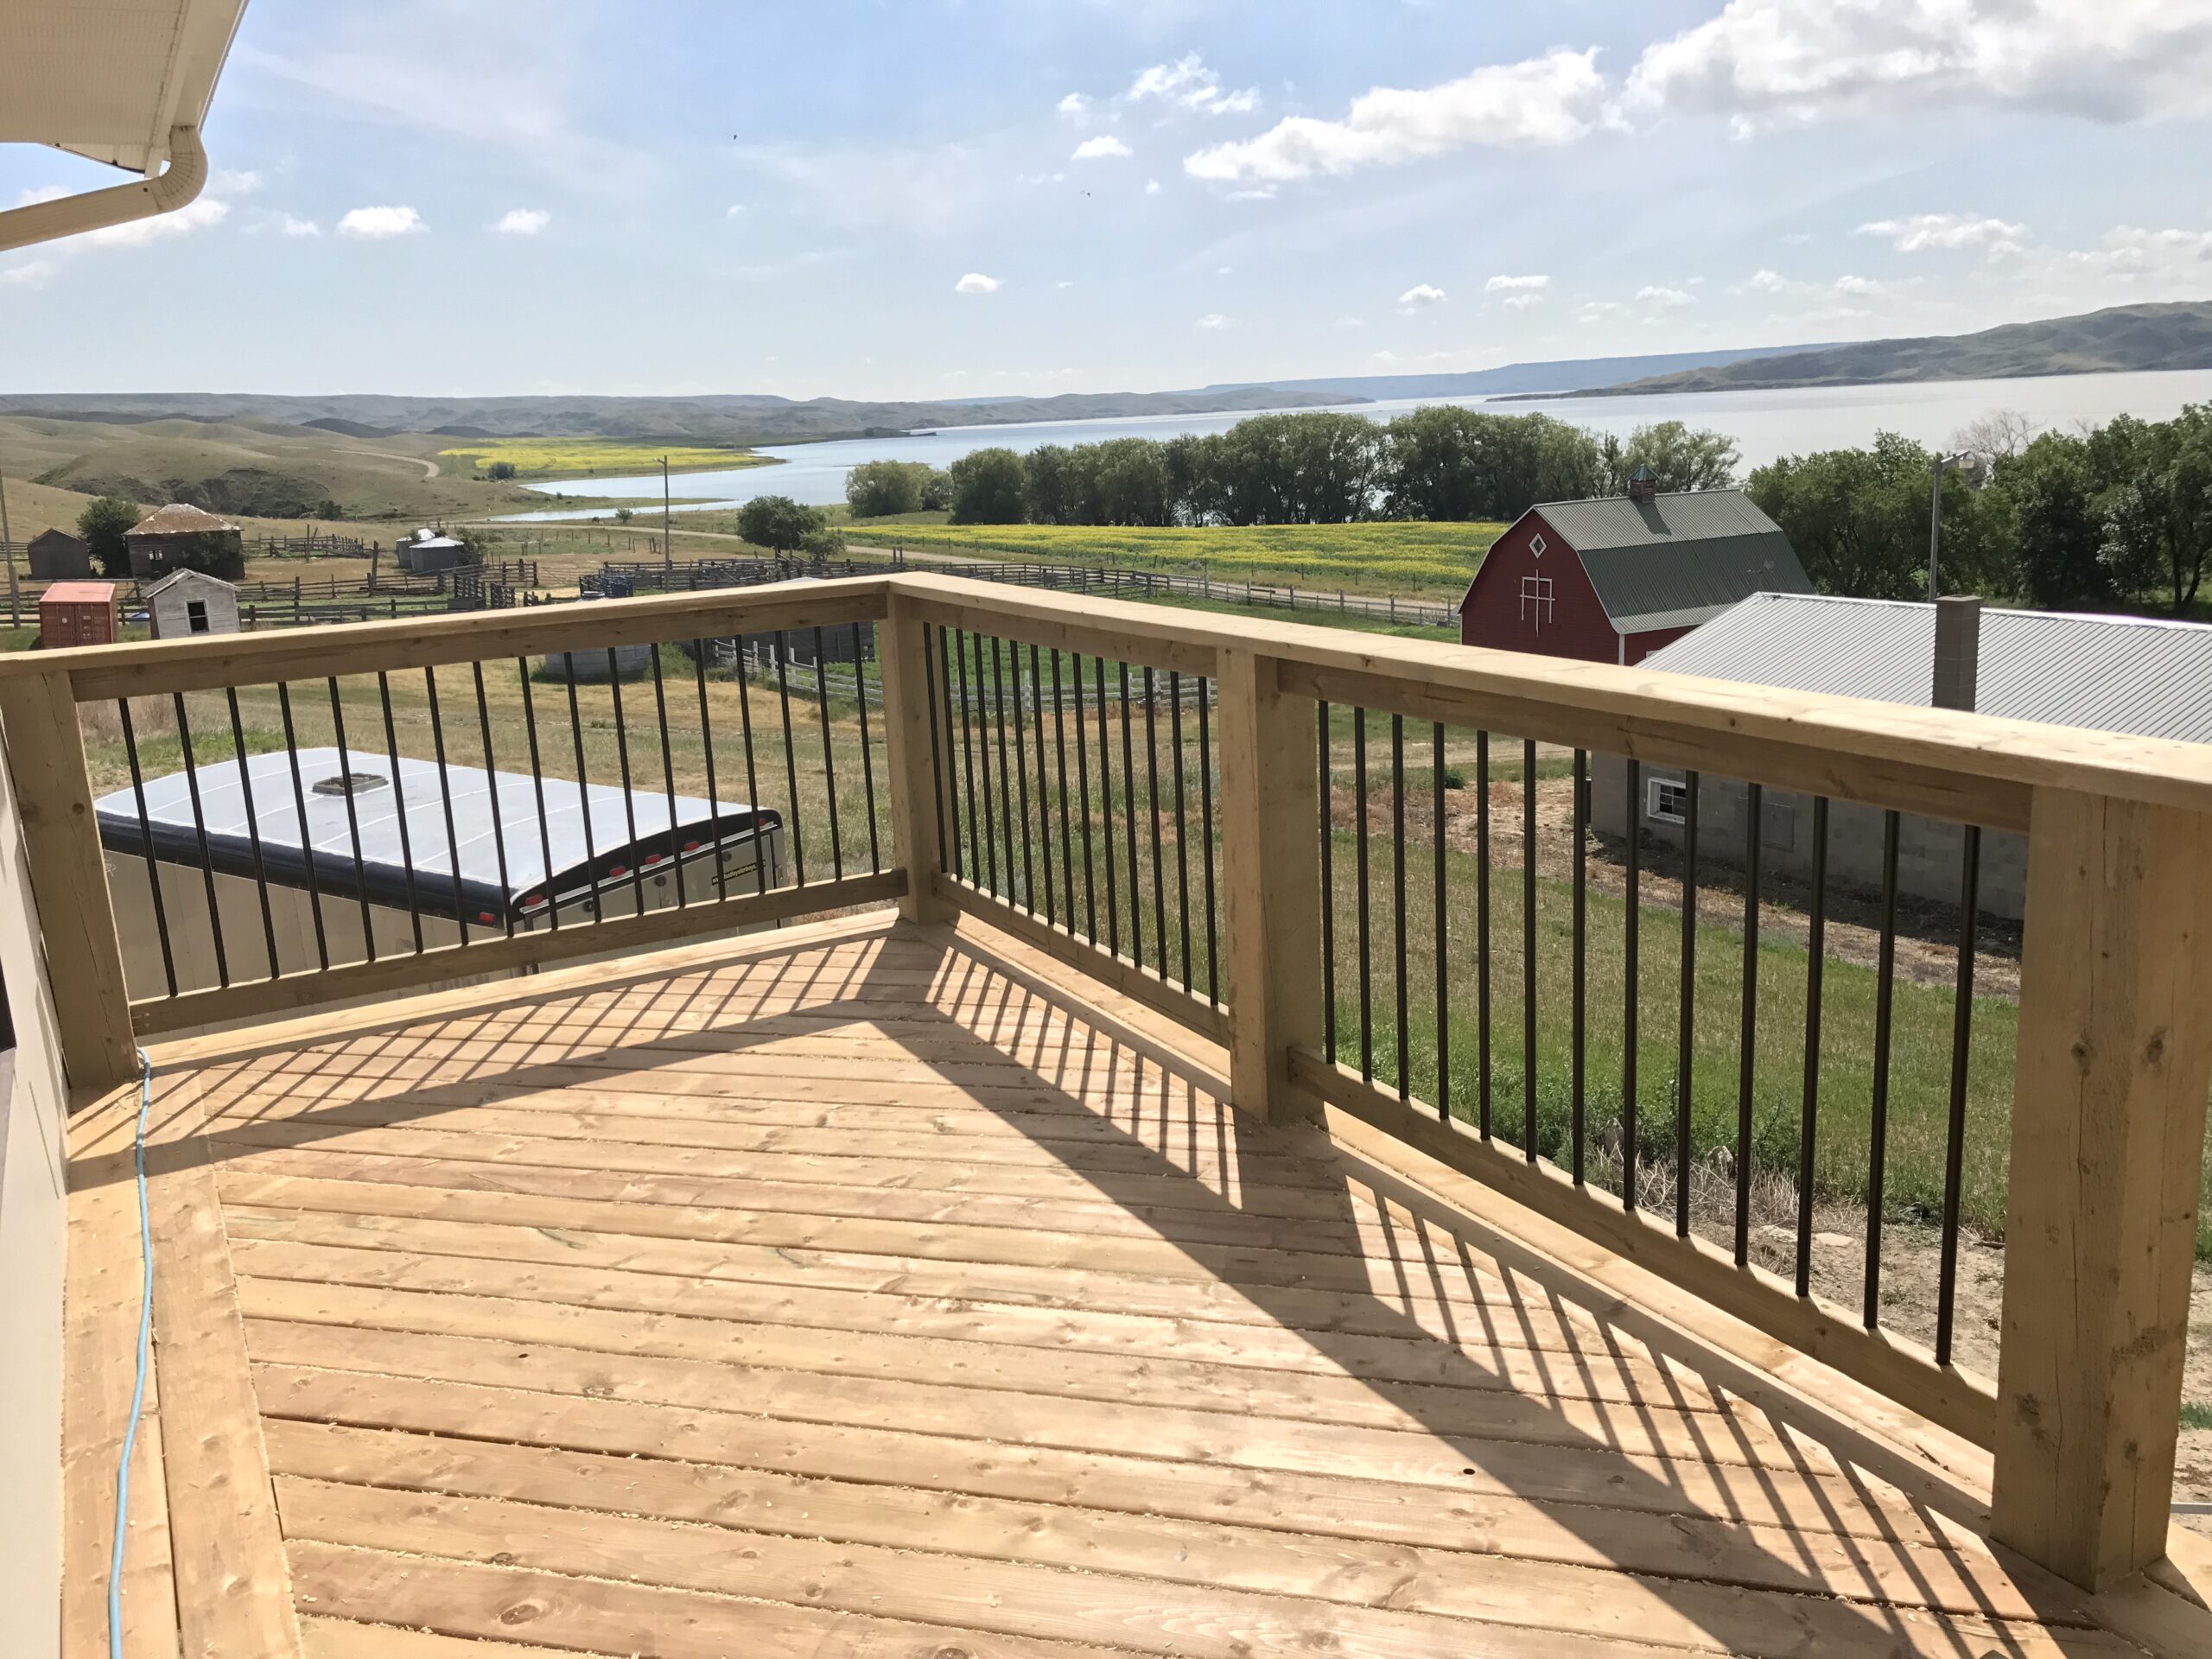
[1679, 559]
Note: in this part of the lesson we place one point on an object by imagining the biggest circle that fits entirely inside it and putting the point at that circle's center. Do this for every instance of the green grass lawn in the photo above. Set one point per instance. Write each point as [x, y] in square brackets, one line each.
[1432, 560]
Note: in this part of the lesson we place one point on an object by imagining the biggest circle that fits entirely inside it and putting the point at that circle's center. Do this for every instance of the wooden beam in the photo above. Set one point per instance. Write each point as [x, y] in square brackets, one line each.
[1271, 868]
[2113, 1061]
[53, 801]
[910, 734]
[623, 934]
[1898, 1367]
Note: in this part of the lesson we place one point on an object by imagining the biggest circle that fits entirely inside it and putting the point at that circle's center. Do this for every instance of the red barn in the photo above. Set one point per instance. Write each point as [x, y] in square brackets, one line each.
[1611, 580]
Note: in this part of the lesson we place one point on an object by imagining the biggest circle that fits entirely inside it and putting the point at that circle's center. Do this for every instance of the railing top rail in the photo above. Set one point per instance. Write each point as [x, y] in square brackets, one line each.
[145, 668]
[1600, 706]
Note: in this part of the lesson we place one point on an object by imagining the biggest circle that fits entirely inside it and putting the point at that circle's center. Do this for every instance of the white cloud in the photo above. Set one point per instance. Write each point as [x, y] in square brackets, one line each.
[1949, 232]
[976, 283]
[2129, 251]
[523, 221]
[1073, 104]
[242, 182]
[1188, 84]
[1664, 299]
[1507, 284]
[1596, 311]
[372, 223]
[291, 226]
[1547, 100]
[137, 232]
[1064, 282]
[1213, 320]
[736, 210]
[35, 273]
[1152, 187]
[1762, 60]
[1105, 145]
[1421, 294]
[1522, 301]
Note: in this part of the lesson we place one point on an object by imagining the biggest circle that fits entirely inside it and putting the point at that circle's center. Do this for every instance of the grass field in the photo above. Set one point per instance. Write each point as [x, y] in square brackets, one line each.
[1408, 559]
[589, 457]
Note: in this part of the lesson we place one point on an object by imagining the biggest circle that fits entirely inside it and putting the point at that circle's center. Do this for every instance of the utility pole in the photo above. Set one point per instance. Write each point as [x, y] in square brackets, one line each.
[8, 552]
[667, 531]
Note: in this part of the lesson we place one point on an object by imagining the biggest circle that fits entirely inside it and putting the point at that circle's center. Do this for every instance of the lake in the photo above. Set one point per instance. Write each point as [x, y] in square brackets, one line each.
[1766, 425]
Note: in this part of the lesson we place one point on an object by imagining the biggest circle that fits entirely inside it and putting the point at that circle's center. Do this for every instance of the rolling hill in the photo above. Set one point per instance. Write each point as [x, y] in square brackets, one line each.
[2122, 338]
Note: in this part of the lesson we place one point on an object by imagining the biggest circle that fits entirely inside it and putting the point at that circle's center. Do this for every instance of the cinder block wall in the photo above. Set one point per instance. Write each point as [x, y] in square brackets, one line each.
[1930, 853]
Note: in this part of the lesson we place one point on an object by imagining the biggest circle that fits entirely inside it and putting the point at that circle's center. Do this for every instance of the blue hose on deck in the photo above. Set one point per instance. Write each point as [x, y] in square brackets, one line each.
[145, 1353]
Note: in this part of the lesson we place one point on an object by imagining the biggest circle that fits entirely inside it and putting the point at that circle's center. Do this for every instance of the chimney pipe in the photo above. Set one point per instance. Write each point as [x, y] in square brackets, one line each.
[1958, 651]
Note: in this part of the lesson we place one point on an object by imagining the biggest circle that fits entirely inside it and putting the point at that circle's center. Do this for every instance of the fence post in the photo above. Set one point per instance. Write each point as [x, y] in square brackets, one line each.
[69, 878]
[906, 723]
[1270, 817]
[2112, 1063]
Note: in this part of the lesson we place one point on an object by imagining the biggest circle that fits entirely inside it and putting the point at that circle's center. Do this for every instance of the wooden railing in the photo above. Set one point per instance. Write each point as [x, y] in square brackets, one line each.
[1297, 895]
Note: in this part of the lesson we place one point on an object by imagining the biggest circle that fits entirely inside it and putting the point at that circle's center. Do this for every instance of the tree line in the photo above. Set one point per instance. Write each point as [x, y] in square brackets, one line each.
[1314, 468]
[2110, 517]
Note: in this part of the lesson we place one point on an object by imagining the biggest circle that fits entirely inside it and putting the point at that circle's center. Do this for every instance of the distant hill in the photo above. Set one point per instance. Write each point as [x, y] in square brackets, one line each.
[2122, 338]
[1566, 375]
[734, 418]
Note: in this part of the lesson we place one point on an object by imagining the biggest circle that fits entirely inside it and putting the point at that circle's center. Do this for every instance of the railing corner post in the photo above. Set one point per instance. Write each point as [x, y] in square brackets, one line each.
[2114, 1056]
[1270, 820]
[49, 793]
[907, 718]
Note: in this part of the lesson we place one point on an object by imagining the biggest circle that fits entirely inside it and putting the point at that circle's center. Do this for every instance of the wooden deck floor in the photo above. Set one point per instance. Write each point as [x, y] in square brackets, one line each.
[887, 1293]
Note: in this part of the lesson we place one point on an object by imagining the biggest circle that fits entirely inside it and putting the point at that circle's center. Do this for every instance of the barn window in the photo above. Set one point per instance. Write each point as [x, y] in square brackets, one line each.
[1537, 601]
[1536, 546]
[1667, 799]
[195, 615]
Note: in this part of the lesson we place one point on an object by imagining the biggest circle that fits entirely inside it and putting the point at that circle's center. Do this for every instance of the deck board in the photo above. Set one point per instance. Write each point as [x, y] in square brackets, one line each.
[892, 1293]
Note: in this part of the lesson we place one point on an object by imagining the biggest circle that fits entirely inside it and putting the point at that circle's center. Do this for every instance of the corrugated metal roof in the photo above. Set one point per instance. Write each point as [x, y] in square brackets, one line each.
[1679, 559]
[2137, 675]
[179, 518]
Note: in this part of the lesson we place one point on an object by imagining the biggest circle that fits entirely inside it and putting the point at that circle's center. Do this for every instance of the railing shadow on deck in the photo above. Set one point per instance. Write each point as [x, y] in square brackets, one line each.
[1440, 1260]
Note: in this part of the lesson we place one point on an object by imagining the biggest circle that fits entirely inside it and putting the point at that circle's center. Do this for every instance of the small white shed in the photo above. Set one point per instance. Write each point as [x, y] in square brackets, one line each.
[189, 602]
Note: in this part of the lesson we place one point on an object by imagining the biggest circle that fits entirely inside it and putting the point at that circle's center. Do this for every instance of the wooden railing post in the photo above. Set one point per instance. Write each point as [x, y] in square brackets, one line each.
[2114, 1058]
[1271, 904]
[68, 877]
[908, 718]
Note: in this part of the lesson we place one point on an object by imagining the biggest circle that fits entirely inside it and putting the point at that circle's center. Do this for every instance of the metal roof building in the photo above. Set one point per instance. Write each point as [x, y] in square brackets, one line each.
[2138, 675]
[596, 836]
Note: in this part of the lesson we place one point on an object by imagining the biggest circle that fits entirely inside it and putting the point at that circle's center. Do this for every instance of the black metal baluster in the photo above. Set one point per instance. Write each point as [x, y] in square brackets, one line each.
[1106, 813]
[199, 828]
[1529, 948]
[1060, 757]
[1021, 788]
[1205, 827]
[828, 758]
[1011, 892]
[445, 796]
[537, 788]
[1366, 965]
[1631, 993]
[498, 808]
[1043, 792]
[947, 853]
[1754, 807]
[1130, 820]
[668, 779]
[146, 841]
[583, 792]
[1152, 775]
[352, 822]
[1482, 934]
[790, 757]
[1328, 897]
[982, 717]
[1954, 1133]
[1815, 962]
[1878, 1116]
[1398, 888]
[252, 830]
[1182, 824]
[305, 839]
[752, 771]
[1083, 804]
[1443, 931]
[1578, 1084]
[1686, 1033]
[968, 761]
[399, 790]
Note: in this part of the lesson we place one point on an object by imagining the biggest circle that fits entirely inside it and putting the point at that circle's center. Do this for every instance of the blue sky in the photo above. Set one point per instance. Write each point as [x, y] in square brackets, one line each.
[935, 198]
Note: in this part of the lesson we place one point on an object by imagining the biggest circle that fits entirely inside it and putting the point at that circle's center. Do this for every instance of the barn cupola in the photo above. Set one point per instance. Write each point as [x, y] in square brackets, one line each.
[1642, 486]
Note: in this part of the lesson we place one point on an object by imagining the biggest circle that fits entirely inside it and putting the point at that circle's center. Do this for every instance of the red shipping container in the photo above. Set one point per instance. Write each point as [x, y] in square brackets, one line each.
[77, 614]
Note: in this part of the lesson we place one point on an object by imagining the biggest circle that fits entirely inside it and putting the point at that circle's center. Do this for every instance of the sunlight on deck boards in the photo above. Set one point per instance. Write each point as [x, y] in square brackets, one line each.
[888, 1292]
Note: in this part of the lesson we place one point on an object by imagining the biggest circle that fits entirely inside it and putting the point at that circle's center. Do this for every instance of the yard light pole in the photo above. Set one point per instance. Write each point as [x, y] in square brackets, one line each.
[667, 534]
[1944, 464]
